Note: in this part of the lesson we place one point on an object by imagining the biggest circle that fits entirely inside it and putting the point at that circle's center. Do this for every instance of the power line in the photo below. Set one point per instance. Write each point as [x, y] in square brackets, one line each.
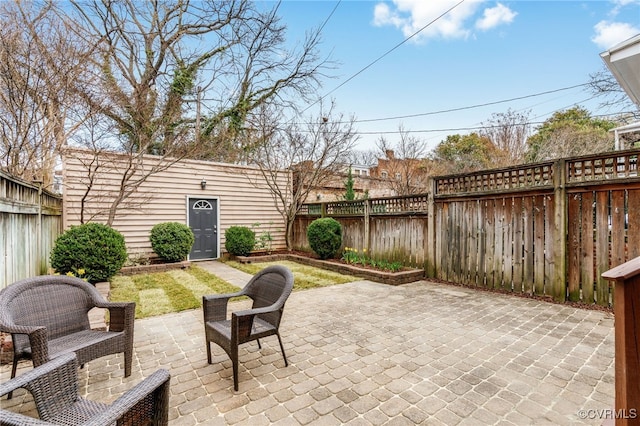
[329, 17]
[383, 55]
[422, 114]
[458, 129]
[470, 106]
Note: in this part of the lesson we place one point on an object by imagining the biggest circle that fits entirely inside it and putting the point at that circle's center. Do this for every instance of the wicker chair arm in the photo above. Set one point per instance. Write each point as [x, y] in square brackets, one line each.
[25, 378]
[242, 321]
[7, 327]
[64, 366]
[214, 306]
[111, 305]
[39, 342]
[157, 411]
[256, 311]
[121, 315]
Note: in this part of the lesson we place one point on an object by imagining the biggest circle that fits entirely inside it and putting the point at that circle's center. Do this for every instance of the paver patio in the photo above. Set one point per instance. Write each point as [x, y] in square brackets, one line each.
[371, 354]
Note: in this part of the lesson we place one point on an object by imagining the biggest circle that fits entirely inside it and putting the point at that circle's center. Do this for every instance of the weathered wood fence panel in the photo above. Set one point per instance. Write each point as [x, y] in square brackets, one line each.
[548, 229]
[496, 242]
[30, 222]
[393, 228]
[604, 222]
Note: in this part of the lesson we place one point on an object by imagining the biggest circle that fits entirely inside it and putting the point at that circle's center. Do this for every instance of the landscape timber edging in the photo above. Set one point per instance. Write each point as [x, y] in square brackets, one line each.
[155, 267]
[391, 278]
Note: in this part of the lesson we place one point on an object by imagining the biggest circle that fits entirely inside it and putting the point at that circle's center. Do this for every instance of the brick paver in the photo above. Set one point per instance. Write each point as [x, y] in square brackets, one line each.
[371, 354]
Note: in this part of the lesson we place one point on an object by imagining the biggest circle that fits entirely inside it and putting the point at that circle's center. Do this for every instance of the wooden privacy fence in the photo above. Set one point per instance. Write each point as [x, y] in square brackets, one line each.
[393, 228]
[548, 229]
[30, 222]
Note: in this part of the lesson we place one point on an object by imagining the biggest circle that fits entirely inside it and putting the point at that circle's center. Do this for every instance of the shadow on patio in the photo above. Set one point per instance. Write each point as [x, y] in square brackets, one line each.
[372, 354]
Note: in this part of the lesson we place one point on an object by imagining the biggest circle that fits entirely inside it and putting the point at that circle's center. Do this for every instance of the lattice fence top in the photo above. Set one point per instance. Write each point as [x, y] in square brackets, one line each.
[406, 204]
[539, 176]
[388, 205]
[618, 165]
[527, 176]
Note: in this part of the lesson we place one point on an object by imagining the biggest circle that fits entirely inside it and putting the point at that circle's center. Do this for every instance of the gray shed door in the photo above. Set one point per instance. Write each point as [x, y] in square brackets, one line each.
[203, 223]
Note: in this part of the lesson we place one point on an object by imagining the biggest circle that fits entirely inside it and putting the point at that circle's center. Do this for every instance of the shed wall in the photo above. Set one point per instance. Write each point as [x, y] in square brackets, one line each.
[242, 195]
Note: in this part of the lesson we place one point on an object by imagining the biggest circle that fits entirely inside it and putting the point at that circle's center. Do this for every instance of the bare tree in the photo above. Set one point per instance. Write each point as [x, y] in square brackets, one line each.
[363, 158]
[604, 85]
[508, 132]
[403, 165]
[167, 65]
[180, 80]
[41, 62]
[295, 159]
[100, 161]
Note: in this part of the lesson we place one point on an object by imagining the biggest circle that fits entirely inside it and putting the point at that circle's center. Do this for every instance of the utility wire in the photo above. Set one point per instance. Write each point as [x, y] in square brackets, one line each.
[457, 129]
[383, 55]
[471, 106]
[422, 114]
[330, 15]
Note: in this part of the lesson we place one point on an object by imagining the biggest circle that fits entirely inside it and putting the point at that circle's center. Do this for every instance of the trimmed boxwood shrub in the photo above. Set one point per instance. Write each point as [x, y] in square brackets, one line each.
[94, 248]
[325, 237]
[239, 240]
[172, 241]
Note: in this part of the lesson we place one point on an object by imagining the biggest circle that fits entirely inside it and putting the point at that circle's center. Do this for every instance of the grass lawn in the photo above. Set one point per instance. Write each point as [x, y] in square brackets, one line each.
[305, 277]
[173, 291]
[164, 292]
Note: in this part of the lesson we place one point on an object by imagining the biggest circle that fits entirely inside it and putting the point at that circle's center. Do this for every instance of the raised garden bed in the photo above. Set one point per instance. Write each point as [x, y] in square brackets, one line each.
[404, 276]
[153, 267]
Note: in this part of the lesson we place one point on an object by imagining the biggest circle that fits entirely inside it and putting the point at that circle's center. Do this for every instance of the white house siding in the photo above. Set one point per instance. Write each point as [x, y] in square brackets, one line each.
[243, 198]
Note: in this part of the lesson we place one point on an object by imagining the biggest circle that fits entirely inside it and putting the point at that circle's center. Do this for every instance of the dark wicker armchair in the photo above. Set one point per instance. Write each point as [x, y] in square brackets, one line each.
[47, 316]
[54, 386]
[269, 290]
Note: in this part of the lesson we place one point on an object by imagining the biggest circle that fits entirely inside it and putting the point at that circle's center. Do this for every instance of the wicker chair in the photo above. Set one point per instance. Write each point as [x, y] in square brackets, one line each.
[54, 386]
[269, 290]
[47, 316]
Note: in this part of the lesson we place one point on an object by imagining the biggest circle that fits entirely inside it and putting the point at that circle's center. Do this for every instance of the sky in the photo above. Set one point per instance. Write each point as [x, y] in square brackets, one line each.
[427, 66]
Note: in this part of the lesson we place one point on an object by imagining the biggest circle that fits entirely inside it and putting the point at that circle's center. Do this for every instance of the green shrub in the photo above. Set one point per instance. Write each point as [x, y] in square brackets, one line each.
[172, 241]
[239, 240]
[325, 237]
[97, 249]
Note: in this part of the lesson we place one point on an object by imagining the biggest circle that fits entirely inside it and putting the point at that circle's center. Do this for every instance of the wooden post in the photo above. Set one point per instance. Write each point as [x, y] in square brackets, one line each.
[430, 249]
[559, 267]
[626, 309]
[367, 232]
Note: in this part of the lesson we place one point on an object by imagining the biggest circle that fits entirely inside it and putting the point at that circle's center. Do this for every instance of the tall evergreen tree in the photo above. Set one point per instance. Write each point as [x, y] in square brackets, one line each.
[349, 193]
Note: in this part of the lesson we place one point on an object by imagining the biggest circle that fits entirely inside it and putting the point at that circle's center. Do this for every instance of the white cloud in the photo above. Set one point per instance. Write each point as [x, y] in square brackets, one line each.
[411, 16]
[495, 16]
[382, 15]
[608, 33]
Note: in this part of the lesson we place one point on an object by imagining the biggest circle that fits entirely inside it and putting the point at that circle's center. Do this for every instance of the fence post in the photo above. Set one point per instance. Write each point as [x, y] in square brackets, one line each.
[430, 249]
[559, 238]
[627, 350]
[367, 232]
